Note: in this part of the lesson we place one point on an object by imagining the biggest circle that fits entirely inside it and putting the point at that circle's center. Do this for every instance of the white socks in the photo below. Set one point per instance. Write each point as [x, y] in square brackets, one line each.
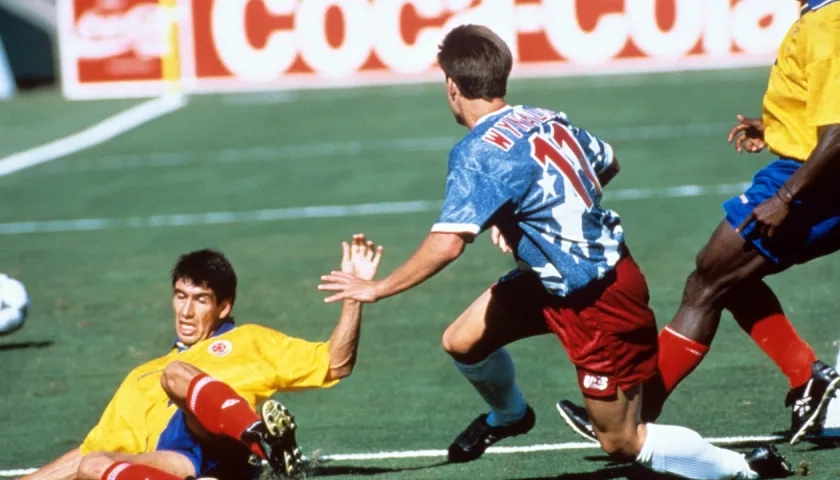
[683, 452]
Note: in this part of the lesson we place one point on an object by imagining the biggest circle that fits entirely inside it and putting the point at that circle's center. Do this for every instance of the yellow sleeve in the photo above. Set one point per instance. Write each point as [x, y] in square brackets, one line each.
[114, 432]
[823, 69]
[298, 364]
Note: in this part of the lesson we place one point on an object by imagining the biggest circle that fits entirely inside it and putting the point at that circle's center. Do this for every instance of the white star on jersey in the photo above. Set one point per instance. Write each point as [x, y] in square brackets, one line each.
[547, 184]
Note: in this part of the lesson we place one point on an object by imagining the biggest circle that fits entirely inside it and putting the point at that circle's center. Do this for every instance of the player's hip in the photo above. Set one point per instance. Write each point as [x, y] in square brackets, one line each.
[812, 226]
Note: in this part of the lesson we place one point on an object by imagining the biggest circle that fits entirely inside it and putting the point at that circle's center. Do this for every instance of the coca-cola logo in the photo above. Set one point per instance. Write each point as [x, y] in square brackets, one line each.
[112, 29]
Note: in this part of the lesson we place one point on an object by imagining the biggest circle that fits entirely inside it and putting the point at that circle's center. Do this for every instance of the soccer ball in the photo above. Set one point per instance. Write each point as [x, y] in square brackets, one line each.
[14, 302]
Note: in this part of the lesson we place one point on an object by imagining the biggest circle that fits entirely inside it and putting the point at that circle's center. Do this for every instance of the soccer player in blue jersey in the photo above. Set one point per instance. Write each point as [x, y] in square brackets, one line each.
[538, 178]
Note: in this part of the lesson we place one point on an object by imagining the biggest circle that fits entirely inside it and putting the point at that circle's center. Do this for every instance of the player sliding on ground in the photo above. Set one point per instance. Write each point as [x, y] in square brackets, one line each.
[789, 215]
[191, 412]
[537, 177]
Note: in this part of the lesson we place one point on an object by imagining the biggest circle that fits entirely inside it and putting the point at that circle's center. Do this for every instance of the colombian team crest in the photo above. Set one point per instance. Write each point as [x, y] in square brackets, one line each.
[220, 348]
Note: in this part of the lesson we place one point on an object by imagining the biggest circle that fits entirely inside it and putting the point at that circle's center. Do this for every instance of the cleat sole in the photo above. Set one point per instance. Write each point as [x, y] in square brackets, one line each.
[819, 412]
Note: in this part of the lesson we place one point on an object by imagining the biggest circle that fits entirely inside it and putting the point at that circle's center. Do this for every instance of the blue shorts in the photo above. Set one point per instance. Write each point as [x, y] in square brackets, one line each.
[221, 459]
[811, 229]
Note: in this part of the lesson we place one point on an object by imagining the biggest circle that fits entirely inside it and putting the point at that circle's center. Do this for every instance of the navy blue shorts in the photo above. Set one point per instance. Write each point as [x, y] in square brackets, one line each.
[221, 459]
[811, 229]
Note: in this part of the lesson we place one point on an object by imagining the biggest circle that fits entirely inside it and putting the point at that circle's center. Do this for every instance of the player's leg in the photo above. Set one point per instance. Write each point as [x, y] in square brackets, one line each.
[476, 342]
[219, 410]
[147, 466]
[671, 449]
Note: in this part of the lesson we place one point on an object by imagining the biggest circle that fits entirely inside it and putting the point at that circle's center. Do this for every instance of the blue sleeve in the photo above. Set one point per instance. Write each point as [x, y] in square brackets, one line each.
[598, 153]
[472, 198]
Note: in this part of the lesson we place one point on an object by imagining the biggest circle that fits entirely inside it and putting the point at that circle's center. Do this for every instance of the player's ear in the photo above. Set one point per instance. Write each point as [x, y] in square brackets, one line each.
[452, 90]
[226, 306]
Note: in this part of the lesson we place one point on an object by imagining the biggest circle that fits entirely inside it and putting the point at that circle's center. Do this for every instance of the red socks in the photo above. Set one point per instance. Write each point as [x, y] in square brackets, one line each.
[760, 314]
[133, 471]
[219, 409]
[678, 357]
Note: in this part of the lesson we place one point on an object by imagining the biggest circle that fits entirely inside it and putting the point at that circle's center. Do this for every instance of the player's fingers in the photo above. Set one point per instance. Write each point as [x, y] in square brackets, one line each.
[378, 255]
[369, 249]
[736, 130]
[746, 222]
[345, 251]
[336, 297]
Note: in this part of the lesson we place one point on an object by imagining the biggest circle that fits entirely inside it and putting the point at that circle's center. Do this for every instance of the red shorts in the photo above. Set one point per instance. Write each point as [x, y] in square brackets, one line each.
[608, 328]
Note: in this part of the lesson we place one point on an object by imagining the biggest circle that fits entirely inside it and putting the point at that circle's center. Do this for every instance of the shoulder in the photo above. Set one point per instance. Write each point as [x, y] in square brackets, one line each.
[821, 27]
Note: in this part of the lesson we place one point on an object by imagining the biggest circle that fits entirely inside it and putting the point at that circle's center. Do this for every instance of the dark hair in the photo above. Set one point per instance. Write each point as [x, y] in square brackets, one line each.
[477, 60]
[208, 268]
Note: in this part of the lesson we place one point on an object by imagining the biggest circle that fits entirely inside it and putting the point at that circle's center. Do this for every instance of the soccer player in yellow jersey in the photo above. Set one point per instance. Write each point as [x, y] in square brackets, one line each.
[788, 216]
[192, 412]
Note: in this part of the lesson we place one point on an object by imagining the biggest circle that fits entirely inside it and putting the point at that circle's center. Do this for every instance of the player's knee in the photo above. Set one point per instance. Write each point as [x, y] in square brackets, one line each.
[458, 347]
[93, 466]
[176, 379]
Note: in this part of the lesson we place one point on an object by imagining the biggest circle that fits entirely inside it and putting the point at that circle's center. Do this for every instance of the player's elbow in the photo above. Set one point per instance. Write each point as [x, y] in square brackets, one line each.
[611, 171]
[450, 246]
[340, 373]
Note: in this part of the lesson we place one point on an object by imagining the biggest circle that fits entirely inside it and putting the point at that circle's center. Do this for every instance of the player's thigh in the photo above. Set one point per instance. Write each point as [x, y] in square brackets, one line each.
[609, 332]
[507, 312]
[617, 421]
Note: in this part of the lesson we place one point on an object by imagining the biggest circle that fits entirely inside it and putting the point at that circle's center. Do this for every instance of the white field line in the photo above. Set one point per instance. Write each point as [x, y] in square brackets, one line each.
[346, 149]
[402, 454]
[93, 135]
[322, 211]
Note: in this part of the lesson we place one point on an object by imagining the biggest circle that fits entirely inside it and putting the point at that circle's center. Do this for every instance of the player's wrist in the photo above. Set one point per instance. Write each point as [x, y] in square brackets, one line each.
[785, 194]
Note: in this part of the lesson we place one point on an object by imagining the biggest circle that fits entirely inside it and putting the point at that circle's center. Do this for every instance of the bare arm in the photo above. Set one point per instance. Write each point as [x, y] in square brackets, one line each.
[433, 255]
[62, 468]
[362, 260]
[436, 252]
[824, 160]
[607, 175]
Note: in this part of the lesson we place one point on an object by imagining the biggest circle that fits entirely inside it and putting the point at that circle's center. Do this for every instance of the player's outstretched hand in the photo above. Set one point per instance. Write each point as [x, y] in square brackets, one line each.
[499, 240]
[360, 257]
[359, 262]
[748, 135]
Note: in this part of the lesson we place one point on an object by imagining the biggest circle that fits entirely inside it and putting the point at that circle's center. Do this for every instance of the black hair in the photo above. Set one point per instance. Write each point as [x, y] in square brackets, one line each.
[208, 268]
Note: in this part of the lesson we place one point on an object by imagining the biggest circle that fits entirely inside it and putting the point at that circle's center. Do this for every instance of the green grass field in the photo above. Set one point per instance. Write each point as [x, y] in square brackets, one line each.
[100, 291]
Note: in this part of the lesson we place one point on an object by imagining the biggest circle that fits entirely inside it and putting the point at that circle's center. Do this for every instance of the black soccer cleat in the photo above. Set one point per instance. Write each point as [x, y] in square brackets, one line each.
[577, 418]
[275, 435]
[473, 441]
[767, 462]
[810, 401]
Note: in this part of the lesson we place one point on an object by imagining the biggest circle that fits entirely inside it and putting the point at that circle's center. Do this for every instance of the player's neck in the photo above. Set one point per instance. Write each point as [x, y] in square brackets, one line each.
[474, 110]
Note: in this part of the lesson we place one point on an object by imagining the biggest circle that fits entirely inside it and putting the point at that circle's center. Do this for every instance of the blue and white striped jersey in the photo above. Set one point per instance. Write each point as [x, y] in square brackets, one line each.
[533, 174]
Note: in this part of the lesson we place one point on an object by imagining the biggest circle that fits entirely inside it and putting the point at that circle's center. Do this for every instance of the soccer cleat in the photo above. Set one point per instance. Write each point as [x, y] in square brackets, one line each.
[767, 462]
[275, 435]
[577, 418]
[810, 401]
[473, 441]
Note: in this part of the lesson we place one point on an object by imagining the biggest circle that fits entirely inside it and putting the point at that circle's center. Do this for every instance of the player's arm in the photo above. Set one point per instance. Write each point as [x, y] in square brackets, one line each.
[472, 199]
[360, 258]
[62, 468]
[820, 168]
[606, 176]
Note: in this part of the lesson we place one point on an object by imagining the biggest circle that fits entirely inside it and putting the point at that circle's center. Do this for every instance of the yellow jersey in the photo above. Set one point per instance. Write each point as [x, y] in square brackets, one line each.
[803, 92]
[255, 361]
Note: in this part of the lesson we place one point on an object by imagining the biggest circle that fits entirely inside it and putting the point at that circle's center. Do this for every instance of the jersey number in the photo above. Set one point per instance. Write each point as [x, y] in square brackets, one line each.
[561, 148]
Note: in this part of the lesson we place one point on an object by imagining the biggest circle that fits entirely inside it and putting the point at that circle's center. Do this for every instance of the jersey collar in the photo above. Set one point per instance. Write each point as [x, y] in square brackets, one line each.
[812, 5]
[493, 113]
[225, 327]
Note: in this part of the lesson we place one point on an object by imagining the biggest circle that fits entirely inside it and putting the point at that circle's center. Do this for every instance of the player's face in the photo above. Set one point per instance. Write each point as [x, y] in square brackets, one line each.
[452, 96]
[197, 311]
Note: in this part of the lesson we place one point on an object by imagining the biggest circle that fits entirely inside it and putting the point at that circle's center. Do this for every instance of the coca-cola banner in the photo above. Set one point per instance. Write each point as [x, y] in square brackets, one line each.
[121, 47]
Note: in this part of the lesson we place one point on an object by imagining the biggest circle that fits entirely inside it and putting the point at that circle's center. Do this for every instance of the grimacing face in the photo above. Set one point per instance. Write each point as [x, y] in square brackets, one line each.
[197, 311]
